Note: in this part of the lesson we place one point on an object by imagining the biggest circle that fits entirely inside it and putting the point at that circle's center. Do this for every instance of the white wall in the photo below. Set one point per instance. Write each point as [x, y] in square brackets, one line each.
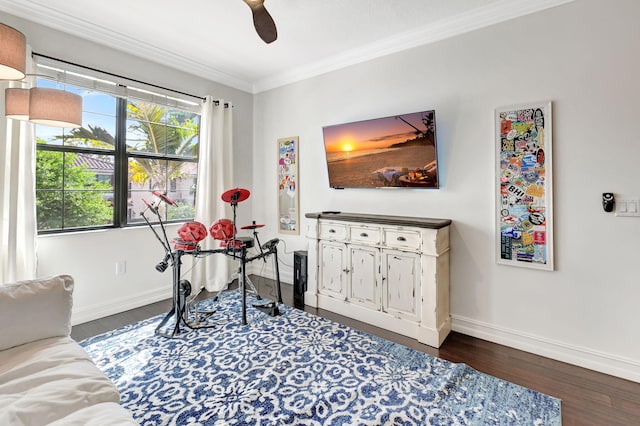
[583, 56]
[90, 257]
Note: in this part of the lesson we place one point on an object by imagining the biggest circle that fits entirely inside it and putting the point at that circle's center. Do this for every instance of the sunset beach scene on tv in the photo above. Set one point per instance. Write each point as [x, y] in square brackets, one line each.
[395, 151]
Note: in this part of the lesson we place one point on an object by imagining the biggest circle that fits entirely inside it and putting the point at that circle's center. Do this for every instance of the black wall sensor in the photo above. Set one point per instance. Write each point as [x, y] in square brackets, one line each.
[608, 201]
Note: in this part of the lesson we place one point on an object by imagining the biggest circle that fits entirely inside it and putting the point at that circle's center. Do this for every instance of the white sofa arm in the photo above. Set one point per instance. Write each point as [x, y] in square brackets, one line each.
[35, 309]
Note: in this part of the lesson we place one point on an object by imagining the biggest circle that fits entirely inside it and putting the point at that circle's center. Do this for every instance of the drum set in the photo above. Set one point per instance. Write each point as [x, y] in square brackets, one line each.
[224, 231]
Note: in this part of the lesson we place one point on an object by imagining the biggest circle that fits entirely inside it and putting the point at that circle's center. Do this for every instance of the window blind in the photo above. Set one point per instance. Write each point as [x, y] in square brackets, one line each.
[95, 80]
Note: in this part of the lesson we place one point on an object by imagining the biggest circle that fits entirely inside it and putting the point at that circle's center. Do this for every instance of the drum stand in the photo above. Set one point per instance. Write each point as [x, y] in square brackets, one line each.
[251, 287]
[181, 288]
[179, 309]
[236, 248]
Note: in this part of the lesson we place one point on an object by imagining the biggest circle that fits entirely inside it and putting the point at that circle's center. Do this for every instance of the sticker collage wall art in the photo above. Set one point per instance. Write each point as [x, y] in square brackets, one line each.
[524, 186]
[288, 185]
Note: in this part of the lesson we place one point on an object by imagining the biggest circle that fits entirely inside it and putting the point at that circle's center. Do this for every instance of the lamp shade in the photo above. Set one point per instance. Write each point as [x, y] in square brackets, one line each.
[16, 103]
[53, 107]
[13, 53]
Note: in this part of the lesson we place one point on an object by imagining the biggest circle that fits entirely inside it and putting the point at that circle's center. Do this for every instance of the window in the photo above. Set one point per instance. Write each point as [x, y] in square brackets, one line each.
[162, 150]
[101, 174]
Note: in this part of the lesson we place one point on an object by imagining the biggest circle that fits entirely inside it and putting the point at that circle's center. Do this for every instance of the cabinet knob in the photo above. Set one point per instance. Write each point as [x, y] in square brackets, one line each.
[401, 238]
[364, 234]
[332, 231]
[345, 270]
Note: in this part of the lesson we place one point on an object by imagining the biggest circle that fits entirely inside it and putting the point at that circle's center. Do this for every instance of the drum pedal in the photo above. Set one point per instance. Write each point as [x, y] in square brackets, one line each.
[204, 315]
[269, 308]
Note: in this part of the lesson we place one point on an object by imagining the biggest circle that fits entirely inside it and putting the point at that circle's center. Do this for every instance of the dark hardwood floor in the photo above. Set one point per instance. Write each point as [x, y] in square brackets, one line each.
[588, 397]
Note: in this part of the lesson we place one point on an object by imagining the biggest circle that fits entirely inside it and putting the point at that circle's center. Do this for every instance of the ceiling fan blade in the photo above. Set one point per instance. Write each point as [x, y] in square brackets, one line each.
[262, 21]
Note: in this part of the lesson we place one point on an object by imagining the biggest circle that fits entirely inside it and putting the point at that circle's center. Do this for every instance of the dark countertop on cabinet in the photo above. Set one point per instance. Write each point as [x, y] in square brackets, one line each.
[422, 222]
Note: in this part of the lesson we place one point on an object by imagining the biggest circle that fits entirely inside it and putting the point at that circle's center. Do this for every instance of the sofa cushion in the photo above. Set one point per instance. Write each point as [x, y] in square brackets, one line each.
[47, 380]
[36, 309]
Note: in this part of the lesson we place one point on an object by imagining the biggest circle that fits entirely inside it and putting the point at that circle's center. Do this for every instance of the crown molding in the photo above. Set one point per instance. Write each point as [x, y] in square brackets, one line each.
[475, 19]
[493, 13]
[46, 16]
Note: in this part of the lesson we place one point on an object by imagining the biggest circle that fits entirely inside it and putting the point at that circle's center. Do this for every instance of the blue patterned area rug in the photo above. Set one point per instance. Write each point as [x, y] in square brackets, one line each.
[300, 369]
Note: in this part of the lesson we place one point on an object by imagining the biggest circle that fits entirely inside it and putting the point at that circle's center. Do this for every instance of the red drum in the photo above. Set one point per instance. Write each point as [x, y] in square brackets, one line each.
[231, 244]
[222, 229]
[192, 232]
[179, 244]
[239, 242]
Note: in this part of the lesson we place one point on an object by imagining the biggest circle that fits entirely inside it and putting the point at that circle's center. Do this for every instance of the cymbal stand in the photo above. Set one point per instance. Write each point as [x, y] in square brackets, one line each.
[241, 268]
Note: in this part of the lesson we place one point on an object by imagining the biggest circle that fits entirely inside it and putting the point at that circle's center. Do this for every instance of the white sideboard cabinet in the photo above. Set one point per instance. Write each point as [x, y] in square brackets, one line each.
[388, 271]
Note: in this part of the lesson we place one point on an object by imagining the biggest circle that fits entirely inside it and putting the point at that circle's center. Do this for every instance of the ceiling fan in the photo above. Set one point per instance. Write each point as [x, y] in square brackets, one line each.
[262, 21]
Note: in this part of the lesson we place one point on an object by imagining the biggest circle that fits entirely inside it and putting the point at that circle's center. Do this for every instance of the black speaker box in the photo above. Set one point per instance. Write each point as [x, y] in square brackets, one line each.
[299, 278]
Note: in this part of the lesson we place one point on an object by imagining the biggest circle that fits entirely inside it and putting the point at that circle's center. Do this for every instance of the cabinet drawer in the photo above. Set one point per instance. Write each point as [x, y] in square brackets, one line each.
[402, 238]
[332, 231]
[364, 234]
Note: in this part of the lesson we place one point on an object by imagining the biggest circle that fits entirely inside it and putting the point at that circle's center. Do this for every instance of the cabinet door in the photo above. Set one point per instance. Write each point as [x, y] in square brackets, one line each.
[401, 277]
[364, 276]
[333, 261]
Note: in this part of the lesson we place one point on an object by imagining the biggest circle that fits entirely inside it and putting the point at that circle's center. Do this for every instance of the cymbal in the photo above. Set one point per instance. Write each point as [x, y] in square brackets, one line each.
[147, 204]
[235, 195]
[253, 226]
[164, 198]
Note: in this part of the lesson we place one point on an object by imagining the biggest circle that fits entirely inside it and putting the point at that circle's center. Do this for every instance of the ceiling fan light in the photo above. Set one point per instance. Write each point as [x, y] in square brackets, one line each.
[16, 103]
[13, 53]
[53, 107]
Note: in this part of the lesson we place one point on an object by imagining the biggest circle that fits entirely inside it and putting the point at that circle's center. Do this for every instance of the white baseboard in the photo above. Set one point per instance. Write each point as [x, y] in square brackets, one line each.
[583, 357]
[267, 271]
[132, 301]
[115, 306]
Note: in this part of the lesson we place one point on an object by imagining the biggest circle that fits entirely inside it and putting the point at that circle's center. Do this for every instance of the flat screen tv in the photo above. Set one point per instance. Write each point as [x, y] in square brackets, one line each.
[389, 152]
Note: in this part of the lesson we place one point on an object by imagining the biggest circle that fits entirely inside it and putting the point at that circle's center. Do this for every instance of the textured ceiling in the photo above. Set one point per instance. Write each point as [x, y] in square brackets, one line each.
[216, 38]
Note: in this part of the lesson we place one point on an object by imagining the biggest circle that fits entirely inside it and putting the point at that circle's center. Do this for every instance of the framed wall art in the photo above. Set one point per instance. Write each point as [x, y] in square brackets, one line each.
[524, 186]
[288, 197]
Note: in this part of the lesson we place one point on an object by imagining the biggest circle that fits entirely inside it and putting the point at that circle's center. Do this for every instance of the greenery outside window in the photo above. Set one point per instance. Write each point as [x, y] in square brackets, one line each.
[100, 175]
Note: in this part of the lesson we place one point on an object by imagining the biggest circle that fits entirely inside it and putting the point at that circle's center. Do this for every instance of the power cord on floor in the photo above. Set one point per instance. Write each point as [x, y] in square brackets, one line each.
[280, 260]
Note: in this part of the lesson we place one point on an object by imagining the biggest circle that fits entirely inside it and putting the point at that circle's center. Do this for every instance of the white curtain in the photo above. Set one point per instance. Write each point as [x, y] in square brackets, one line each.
[215, 175]
[17, 197]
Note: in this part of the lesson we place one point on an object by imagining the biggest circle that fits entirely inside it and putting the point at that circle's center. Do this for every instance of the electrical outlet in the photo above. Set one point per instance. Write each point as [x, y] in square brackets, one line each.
[121, 267]
[628, 207]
